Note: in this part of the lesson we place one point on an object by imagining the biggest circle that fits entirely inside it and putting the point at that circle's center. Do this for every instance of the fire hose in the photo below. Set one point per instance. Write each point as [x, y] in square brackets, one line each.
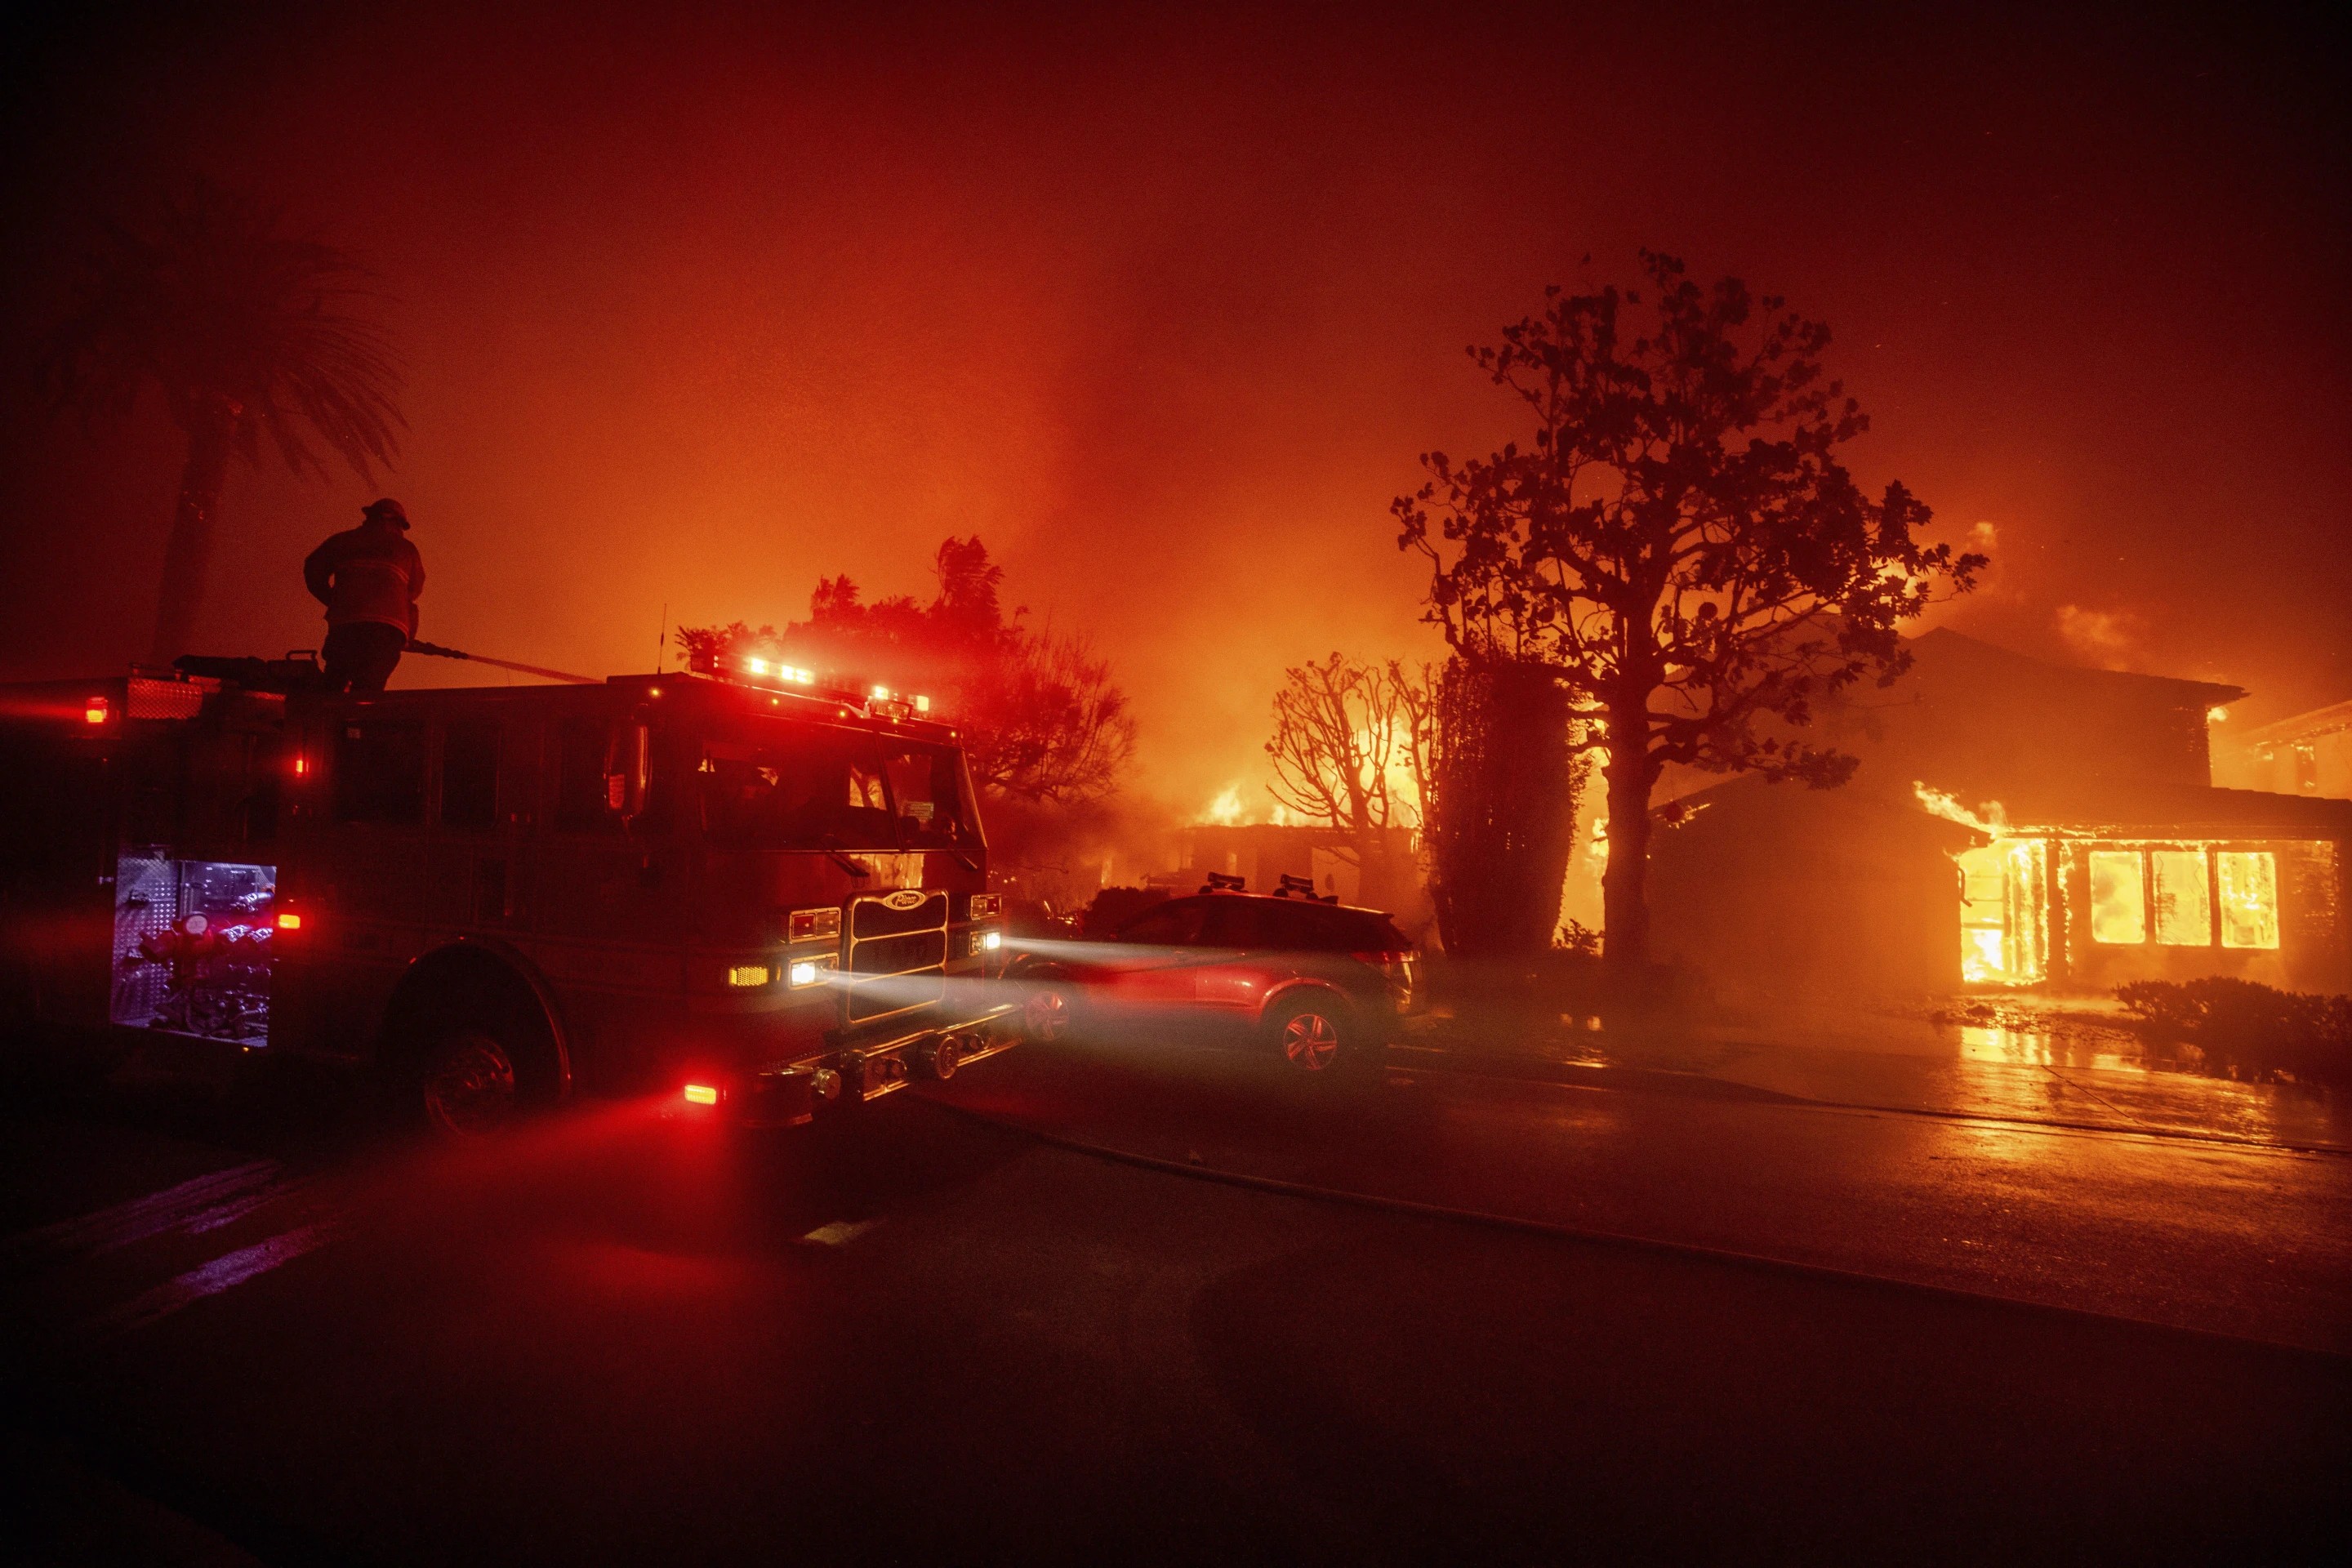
[437, 651]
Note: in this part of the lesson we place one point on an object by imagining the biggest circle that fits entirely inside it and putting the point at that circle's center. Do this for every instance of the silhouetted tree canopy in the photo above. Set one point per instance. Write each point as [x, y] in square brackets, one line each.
[1039, 715]
[1678, 540]
[246, 330]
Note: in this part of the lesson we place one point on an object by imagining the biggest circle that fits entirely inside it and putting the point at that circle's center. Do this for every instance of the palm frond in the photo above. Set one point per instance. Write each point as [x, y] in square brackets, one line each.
[235, 321]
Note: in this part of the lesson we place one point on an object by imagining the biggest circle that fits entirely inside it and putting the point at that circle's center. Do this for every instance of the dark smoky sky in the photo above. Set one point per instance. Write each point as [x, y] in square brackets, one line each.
[697, 305]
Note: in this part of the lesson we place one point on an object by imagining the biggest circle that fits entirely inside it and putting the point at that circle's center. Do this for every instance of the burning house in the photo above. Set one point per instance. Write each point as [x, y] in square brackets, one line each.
[2307, 753]
[2012, 823]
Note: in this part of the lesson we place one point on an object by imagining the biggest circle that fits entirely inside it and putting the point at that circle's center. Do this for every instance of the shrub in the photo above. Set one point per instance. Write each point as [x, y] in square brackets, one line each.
[2257, 1030]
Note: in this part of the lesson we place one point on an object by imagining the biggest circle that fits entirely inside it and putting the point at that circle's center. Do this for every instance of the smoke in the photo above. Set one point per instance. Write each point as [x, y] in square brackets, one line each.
[702, 305]
[2112, 639]
[1993, 820]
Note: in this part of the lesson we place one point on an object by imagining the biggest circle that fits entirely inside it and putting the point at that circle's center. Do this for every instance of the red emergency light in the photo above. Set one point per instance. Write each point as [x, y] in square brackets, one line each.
[792, 673]
[96, 709]
[701, 1094]
[764, 674]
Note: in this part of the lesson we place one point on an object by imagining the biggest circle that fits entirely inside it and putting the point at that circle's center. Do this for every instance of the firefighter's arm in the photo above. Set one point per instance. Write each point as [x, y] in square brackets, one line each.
[319, 570]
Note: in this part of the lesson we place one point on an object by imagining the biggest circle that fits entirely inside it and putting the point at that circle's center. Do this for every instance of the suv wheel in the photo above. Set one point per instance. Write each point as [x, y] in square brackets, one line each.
[1048, 1012]
[1314, 1035]
[468, 1085]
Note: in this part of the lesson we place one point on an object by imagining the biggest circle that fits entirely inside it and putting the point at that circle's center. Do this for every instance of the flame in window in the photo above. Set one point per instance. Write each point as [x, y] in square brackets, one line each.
[2249, 888]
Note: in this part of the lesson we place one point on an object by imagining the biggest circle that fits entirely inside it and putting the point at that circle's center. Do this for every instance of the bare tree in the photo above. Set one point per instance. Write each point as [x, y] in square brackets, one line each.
[1680, 547]
[244, 330]
[1350, 752]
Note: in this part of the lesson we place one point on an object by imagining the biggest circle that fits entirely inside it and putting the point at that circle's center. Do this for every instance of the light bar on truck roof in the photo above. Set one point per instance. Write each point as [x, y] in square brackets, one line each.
[768, 674]
[792, 673]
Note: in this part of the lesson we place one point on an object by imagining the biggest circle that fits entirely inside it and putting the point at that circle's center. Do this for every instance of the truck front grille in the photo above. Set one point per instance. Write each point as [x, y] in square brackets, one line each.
[897, 953]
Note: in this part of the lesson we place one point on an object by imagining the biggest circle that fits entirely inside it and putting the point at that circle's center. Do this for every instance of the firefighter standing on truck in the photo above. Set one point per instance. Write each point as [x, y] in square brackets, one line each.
[369, 578]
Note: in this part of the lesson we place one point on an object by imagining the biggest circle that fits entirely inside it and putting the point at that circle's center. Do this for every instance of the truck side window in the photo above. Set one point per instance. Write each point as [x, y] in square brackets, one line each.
[923, 790]
[770, 784]
[583, 799]
[470, 777]
[380, 771]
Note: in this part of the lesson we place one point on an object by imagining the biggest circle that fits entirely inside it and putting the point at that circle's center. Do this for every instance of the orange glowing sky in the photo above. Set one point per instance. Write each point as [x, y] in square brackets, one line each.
[1165, 305]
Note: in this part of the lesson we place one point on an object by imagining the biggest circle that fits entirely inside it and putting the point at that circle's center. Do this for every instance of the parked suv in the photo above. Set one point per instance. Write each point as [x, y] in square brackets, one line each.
[1323, 985]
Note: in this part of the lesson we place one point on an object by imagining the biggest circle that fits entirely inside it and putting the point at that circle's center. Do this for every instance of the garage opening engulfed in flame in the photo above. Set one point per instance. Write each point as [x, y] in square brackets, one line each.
[2004, 895]
[2005, 912]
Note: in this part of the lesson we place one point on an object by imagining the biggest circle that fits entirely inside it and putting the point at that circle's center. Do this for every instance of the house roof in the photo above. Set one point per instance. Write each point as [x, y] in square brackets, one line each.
[1947, 647]
[2132, 812]
[2163, 808]
[2300, 726]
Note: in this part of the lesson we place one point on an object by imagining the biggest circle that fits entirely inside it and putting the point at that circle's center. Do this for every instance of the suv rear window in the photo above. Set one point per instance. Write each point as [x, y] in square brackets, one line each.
[1174, 924]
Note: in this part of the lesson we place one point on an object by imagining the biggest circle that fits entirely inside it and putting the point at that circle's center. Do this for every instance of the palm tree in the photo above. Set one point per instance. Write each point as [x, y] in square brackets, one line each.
[244, 330]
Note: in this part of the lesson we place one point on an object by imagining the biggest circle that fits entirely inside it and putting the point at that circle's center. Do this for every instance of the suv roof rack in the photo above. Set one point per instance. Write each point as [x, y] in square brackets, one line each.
[1303, 888]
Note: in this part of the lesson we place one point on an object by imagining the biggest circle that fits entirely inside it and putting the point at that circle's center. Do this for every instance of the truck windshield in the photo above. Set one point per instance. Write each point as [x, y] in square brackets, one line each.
[776, 784]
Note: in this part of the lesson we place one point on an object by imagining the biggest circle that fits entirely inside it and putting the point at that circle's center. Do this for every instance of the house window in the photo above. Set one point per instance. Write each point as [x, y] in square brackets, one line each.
[2184, 905]
[2249, 888]
[2118, 897]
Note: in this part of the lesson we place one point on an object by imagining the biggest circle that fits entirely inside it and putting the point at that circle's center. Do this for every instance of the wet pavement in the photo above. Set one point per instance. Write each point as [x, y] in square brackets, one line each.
[2065, 1069]
[2213, 1236]
[1264, 1321]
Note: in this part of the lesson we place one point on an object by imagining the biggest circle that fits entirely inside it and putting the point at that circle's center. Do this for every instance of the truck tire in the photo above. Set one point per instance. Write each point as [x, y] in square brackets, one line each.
[468, 1049]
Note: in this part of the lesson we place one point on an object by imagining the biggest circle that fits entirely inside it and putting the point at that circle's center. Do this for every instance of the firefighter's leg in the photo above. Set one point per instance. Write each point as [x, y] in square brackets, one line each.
[371, 652]
[337, 654]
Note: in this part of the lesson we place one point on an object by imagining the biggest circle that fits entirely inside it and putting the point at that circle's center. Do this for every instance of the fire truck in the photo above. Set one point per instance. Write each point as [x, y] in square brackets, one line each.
[753, 888]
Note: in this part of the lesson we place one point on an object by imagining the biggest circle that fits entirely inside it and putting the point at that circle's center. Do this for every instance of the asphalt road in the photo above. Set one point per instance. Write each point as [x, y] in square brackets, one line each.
[628, 1335]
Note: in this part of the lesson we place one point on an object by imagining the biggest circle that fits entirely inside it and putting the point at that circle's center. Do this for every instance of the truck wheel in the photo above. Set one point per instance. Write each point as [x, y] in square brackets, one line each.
[1315, 1035]
[468, 1086]
[1048, 1012]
